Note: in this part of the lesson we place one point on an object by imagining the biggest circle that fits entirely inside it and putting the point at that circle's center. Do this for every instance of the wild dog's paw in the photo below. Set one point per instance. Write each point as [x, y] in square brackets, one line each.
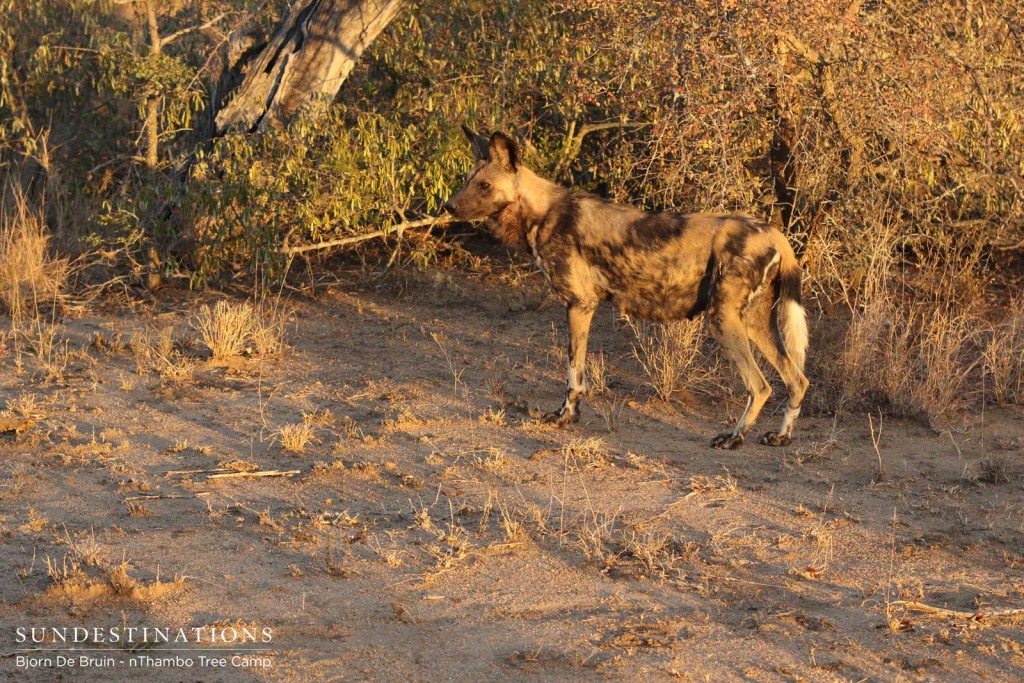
[775, 439]
[727, 441]
[560, 419]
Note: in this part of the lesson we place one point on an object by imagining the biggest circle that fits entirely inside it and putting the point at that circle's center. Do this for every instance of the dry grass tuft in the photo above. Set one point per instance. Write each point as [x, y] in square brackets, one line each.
[511, 525]
[226, 328]
[635, 549]
[610, 409]
[670, 354]
[450, 551]
[25, 405]
[585, 453]
[652, 548]
[29, 274]
[63, 572]
[918, 360]
[269, 333]
[490, 459]
[137, 509]
[234, 329]
[390, 554]
[101, 342]
[597, 372]
[1004, 356]
[71, 580]
[295, 437]
[162, 352]
[179, 372]
[993, 470]
[917, 340]
[85, 549]
[51, 352]
[721, 483]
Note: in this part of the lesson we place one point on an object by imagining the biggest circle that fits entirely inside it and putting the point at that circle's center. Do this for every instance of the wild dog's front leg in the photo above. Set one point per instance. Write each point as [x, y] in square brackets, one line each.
[580, 316]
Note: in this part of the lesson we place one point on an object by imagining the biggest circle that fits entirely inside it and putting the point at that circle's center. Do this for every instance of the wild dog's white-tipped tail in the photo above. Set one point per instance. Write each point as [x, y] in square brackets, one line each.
[793, 329]
[791, 319]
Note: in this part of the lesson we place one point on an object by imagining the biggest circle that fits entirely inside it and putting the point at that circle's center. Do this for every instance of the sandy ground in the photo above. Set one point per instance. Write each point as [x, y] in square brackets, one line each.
[436, 531]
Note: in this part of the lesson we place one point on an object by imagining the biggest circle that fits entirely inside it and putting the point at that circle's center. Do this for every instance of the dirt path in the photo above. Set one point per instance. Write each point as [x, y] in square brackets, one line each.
[435, 531]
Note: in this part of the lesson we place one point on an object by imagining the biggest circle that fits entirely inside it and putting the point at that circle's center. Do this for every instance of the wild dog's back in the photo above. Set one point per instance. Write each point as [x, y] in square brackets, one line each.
[652, 265]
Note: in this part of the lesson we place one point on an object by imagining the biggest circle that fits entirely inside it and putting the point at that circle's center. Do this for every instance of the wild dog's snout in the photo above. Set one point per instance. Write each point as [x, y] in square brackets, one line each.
[449, 207]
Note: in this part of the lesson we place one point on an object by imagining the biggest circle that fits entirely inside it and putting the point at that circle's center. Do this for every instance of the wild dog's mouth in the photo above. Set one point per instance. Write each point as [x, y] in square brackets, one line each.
[473, 213]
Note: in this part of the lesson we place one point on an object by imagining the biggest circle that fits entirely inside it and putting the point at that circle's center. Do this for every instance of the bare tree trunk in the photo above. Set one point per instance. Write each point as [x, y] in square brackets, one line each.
[152, 125]
[312, 53]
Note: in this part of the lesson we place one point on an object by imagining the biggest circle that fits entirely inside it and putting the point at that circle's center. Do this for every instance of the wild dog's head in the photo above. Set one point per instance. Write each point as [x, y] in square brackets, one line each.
[492, 188]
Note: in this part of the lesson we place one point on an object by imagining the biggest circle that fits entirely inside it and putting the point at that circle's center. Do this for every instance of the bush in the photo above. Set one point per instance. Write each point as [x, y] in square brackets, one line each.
[887, 139]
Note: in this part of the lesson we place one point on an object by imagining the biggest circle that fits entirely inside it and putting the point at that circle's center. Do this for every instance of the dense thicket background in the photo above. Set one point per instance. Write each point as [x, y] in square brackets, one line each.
[885, 137]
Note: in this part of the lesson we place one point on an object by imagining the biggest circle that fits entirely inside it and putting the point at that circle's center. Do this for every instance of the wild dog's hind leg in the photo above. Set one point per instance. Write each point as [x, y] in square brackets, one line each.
[580, 316]
[730, 331]
[772, 346]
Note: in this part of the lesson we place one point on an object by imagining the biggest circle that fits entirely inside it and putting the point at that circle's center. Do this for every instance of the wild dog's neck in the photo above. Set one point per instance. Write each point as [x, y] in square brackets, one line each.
[536, 195]
[519, 222]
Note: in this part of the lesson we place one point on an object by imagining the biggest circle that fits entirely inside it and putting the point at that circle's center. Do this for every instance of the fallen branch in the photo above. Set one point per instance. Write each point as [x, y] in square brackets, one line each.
[256, 473]
[222, 473]
[971, 616]
[345, 241]
[165, 496]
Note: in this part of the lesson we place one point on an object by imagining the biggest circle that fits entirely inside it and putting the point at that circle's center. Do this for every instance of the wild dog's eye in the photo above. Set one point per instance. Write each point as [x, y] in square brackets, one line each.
[484, 185]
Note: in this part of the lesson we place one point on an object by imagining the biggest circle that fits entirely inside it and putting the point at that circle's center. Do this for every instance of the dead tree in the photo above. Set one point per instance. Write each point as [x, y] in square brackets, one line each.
[314, 49]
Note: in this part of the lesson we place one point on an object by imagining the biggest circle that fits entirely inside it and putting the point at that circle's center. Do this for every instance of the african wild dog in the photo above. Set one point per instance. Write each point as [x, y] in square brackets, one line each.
[659, 266]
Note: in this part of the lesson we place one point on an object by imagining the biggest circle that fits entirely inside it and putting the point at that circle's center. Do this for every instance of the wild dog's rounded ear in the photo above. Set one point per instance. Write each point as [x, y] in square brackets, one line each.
[477, 142]
[504, 150]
